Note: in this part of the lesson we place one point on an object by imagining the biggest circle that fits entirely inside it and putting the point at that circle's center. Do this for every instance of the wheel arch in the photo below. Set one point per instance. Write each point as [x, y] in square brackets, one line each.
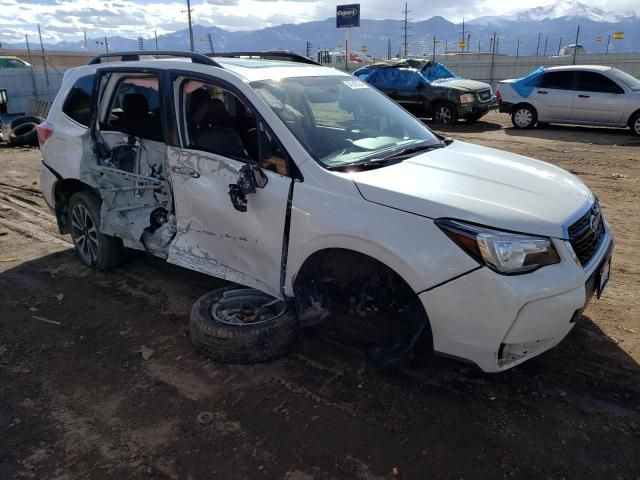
[63, 190]
[345, 268]
[632, 117]
[524, 104]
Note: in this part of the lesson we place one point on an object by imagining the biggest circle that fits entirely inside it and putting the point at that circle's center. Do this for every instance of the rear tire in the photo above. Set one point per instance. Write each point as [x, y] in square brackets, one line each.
[444, 113]
[635, 125]
[222, 329]
[94, 249]
[524, 116]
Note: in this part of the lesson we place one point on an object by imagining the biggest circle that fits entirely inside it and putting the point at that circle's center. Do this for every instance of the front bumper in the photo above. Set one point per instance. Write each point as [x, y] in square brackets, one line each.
[497, 321]
[476, 109]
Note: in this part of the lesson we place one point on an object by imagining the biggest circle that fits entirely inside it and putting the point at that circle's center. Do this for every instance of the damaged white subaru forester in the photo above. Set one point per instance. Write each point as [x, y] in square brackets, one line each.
[324, 197]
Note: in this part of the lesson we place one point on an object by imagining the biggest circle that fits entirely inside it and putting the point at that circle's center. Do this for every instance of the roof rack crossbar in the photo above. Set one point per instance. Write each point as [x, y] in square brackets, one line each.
[267, 55]
[135, 55]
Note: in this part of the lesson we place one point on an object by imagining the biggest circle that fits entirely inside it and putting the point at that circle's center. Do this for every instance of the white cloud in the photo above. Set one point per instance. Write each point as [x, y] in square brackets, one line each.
[66, 19]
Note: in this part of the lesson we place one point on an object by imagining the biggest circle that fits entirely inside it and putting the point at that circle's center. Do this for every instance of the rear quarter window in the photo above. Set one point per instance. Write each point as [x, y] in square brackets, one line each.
[77, 105]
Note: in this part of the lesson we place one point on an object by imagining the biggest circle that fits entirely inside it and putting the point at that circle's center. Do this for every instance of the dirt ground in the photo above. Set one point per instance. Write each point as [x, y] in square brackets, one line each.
[78, 401]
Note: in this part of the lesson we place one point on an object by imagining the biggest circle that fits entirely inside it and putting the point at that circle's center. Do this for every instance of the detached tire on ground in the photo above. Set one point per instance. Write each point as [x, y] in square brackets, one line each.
[26, 119]
[24, 134]
[243, 326]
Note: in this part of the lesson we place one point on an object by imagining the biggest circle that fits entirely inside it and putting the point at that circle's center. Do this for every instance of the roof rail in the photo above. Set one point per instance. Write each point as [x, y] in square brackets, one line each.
[267, 55]
[135, 56]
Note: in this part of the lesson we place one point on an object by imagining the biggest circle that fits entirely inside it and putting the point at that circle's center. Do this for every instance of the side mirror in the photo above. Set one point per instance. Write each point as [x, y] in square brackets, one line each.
[251, 177]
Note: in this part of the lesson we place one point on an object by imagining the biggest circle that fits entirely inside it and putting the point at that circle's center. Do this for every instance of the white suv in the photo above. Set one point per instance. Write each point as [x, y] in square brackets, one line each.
[575, 94]
[305, 183]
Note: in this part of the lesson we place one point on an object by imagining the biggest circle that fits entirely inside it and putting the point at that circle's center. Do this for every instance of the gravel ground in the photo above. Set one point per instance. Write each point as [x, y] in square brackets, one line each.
[79, 402]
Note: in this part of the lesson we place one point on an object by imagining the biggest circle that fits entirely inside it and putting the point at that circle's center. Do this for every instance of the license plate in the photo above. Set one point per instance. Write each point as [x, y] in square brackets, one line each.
[604, 276]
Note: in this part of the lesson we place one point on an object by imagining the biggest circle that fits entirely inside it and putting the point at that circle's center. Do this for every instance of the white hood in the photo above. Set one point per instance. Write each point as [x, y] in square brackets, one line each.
[481, 185]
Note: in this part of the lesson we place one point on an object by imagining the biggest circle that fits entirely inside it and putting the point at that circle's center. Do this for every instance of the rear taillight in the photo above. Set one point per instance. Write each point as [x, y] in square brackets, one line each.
[498, 96]
[45, 130]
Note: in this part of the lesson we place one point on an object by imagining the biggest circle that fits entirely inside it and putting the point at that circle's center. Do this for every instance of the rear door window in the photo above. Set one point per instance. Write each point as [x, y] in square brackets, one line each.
[562, 80]
[135, 107]
[596, 82]
[77, 105]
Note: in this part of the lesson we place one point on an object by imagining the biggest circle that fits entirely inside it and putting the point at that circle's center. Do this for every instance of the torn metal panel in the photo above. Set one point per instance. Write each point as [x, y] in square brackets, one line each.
[127, 201]
[215, 238]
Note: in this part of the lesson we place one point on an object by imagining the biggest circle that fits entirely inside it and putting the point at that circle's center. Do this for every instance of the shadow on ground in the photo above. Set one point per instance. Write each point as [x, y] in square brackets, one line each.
[78, 400]
[579, 134]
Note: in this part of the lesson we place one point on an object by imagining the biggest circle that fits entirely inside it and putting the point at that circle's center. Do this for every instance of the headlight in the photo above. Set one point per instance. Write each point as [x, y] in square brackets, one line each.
[504, 252]
[467, 98]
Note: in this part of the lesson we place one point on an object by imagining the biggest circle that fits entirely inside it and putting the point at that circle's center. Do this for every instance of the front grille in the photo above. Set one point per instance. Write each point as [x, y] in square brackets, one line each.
[587, 233]
[485, 95]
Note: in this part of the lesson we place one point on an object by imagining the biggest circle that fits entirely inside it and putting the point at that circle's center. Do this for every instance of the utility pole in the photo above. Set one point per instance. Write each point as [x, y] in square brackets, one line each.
[538, 47]
[434, 47]
[546, 39]
[155, 34]
[33, 75]
[191, 46]
[405, 31]
[463, 36]
[493, 58]
[389, 49]
[308, 49]
[211, 43]
[479, 45]
[518, 49]
[575, 45]
[44, 60]
[86, 47]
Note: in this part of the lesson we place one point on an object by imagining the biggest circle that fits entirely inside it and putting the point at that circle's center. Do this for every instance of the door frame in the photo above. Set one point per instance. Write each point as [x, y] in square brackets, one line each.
[176, 107]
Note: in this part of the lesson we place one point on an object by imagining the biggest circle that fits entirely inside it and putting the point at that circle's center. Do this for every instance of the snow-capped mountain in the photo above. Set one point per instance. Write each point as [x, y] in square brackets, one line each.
[564, 10]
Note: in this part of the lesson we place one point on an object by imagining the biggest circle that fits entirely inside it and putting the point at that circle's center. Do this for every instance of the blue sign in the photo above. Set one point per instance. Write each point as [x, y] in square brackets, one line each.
[348, 15]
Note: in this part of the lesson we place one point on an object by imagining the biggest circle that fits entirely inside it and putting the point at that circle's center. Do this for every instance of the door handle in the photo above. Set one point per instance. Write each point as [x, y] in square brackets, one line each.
[542, 92]
[584, 96]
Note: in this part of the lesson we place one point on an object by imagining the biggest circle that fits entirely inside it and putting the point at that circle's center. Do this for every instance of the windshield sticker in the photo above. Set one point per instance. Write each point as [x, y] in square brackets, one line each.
[355, 84]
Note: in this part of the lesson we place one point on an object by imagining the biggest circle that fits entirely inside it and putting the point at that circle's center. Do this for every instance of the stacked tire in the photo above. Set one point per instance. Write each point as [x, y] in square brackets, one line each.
[24, 131]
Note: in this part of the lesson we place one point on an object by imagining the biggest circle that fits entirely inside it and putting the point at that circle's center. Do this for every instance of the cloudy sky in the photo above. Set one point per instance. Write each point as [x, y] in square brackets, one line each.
[66, 19]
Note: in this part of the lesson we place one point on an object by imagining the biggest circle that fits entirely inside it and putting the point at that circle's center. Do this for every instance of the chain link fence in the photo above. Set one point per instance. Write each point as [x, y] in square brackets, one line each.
[26, 84]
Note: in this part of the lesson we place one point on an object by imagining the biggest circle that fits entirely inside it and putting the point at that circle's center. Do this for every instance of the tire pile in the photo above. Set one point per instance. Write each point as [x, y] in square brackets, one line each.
[24, 131]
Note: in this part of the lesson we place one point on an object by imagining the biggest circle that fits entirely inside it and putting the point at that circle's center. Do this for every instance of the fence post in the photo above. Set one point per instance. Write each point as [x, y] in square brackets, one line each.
[33, 74]
[44, 60]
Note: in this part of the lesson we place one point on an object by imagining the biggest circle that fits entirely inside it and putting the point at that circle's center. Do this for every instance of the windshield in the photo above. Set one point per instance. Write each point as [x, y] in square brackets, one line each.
[341, 120]
[632, 82]
[437, 71]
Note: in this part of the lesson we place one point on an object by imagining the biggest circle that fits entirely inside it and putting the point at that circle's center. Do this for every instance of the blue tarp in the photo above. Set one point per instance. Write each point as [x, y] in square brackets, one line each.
[437, 71]
[525, 85]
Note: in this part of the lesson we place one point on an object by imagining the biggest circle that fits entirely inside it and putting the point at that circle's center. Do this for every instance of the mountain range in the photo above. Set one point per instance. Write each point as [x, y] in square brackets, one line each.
[523, 32]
